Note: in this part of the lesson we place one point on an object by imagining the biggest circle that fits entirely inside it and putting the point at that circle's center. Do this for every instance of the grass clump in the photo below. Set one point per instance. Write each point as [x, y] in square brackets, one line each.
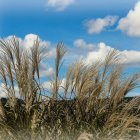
[98, 107]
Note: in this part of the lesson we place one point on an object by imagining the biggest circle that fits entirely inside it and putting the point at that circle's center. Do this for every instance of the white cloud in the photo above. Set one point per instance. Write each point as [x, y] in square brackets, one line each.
[60, 5]
[45, 70]
[100, 51]
[81, 44]
[91, 51]
[100, 54]
[51, 53]
[95, 26]
[127, 56]
[131, 56]
[29, 40]
[131, 23]
[3, 91]
[47, 85]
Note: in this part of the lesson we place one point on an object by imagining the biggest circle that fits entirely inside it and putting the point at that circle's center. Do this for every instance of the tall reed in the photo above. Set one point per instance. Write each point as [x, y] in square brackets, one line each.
[98, 103]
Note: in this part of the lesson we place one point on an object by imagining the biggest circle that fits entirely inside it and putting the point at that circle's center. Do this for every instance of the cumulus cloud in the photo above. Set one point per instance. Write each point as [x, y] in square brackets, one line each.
[3, 91]
[100, 54]
[45, 70]
[95, 26]
[131, 56]
[60, 5]
[29, 40]
[128, 56]
[100, 50]
[131, 23]
[47, 85]
[82, 44]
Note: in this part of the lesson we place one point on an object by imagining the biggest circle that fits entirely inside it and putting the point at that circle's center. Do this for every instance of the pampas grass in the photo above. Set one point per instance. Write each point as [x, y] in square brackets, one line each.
[98, 108]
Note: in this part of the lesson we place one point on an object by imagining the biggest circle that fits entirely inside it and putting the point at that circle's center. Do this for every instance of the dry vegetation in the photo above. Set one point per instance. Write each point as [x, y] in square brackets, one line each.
[97, 109]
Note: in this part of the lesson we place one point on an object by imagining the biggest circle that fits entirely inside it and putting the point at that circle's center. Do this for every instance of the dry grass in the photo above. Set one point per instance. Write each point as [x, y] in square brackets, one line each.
[97, 109]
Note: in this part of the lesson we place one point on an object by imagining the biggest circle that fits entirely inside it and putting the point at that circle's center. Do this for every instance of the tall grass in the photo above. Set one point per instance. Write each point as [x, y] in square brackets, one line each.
[98, 108]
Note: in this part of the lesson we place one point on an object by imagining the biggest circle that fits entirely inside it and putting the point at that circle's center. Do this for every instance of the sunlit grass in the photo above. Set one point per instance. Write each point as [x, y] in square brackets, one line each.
[98, 109]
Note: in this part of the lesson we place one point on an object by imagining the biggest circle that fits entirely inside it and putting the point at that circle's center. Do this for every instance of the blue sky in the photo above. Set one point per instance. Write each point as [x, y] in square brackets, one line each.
[74, 22]
[24, 17]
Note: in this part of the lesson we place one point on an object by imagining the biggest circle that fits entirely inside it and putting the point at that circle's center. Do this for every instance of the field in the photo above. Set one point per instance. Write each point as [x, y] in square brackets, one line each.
[92, 102]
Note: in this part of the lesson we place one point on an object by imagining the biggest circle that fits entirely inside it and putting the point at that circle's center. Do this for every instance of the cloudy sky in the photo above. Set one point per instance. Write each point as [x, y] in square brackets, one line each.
[88, 28]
